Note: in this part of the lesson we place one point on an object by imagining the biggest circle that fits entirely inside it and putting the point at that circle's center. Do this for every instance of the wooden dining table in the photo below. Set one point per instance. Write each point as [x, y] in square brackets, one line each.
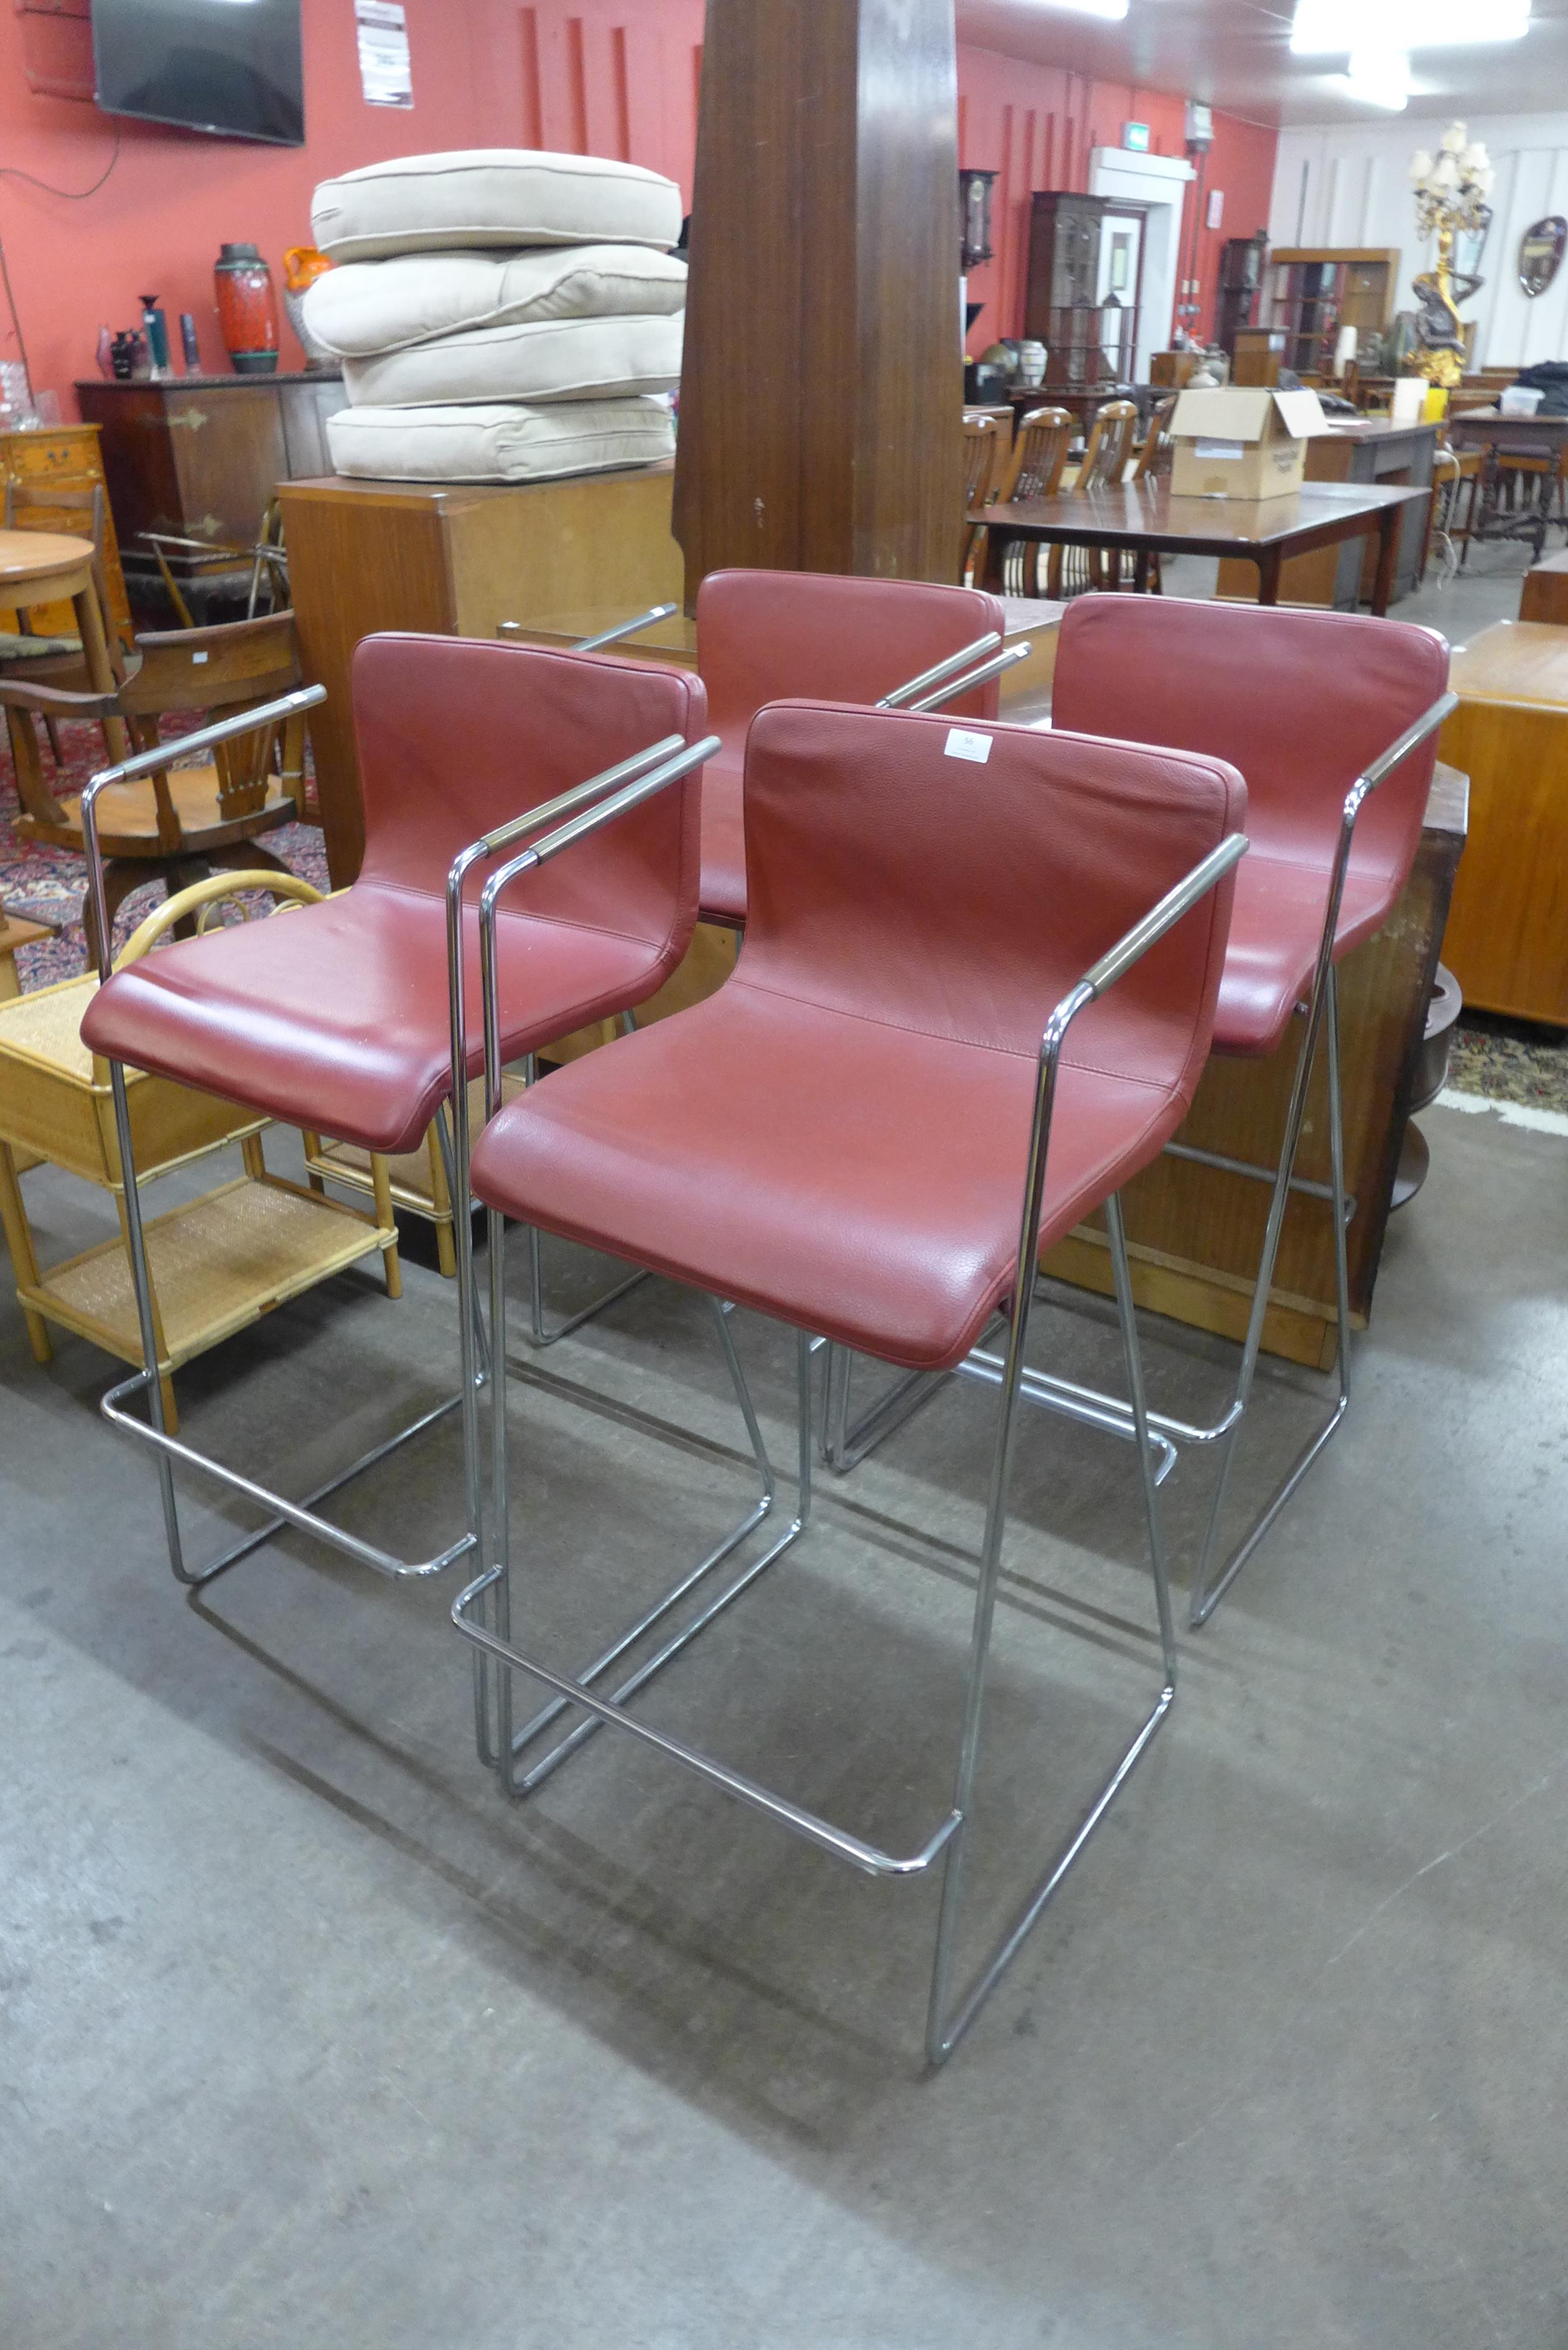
[1143, 519]
[46, 566]
[1531, 505]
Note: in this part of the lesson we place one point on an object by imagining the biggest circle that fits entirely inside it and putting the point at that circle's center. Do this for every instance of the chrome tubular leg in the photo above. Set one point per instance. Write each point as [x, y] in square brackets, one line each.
[538, 1333]
[473, 1354]
[524, 1782]
[500, 1514]
[945, 2025]
[1209, 1586]
[142, 1282]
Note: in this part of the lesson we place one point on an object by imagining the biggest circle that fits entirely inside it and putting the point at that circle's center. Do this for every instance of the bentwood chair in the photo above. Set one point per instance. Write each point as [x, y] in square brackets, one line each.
[765, 634]
[1332, 719]
[1039, 454]
[922, 1070]
[340, 1017]
[177, 823]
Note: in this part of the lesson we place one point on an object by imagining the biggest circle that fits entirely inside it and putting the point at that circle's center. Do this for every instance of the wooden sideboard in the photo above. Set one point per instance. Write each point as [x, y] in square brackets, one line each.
[455, 559]
[1508, 933]
[65, 457]
[200, 456]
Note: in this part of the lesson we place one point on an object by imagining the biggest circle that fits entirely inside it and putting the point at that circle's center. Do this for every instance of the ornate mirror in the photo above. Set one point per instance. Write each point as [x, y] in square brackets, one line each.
[1541, 253]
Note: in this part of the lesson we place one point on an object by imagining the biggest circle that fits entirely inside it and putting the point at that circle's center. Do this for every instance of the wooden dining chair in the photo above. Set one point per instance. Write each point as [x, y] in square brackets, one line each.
[1110, 445]
[1105, 465]
[181, 822]
[982, 444]
[1039, 454]
[1154, 457]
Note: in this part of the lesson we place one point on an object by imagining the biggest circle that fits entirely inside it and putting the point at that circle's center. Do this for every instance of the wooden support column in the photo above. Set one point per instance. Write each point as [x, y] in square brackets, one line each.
[822, 400]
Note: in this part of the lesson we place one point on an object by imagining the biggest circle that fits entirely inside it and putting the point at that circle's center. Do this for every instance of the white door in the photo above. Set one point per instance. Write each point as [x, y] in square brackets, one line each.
[1159, 182]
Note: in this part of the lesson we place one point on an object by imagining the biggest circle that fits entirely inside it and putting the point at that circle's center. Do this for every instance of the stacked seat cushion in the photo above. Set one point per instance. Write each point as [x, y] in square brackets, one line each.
[499, 442]
[371, 307]
[491, 197]
[501, 315]
[559, 359]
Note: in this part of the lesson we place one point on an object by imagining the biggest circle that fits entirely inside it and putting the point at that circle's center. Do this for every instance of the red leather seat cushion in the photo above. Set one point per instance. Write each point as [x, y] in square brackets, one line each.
[839, 1135]
[336, 1017]
[1301, 704]
[765, 636]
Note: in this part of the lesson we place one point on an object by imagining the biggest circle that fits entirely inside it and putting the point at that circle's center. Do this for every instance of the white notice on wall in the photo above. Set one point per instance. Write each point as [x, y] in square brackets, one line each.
[386, 74]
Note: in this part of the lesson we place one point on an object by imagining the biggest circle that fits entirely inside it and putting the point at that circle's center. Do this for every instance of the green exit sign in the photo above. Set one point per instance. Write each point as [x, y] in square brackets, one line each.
[1136, 136]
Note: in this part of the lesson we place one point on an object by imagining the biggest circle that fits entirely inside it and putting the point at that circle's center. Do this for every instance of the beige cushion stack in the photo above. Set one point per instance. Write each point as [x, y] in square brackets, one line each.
[501, 315]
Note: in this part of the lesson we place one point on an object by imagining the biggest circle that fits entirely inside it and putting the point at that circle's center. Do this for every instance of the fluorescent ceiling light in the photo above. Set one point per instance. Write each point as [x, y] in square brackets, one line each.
[1111, 11]
[1324, 26]
[1379, 78]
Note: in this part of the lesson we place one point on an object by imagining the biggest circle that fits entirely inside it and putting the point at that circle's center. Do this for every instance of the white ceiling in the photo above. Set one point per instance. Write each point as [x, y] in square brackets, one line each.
[1235, 54]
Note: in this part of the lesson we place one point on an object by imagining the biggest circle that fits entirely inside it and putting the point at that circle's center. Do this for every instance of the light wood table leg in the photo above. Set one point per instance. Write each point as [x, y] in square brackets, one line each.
[24, 1257]
[100, 668]
[381, 1183]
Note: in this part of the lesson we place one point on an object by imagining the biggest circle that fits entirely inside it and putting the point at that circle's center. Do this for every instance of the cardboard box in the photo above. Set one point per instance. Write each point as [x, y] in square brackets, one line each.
[1243, 442]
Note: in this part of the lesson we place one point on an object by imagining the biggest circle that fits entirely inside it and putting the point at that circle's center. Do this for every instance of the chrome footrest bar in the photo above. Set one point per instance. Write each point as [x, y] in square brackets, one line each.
[867, 1858]
[300, 1513]
[1088, 1406]
[1269, 1175]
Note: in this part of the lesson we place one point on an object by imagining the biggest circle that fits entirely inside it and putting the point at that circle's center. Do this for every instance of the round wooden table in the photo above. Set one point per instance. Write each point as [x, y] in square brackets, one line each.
[46, 566]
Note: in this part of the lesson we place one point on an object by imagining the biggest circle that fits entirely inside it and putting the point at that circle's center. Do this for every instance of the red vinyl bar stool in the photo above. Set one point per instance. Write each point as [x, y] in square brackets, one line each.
[339, 1018]
[1332, 718]
[922, 1069]
[765, 634]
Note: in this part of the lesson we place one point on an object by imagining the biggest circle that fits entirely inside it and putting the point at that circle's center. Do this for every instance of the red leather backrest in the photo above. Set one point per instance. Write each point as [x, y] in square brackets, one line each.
[1301, 703]
[891, 878]
[763, 636]
[457, 737]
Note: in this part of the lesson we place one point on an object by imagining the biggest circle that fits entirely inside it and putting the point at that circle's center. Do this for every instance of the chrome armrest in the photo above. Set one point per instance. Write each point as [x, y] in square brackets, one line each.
[148, 762]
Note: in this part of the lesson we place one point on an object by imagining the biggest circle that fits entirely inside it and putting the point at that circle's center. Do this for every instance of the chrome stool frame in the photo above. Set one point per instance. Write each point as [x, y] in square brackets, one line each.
[845, 1444]
[483, 1611]
[301, 1513]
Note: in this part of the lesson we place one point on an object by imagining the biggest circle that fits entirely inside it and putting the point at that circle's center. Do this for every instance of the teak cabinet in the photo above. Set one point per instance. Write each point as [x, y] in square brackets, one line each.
[200, 456]
[455, 559]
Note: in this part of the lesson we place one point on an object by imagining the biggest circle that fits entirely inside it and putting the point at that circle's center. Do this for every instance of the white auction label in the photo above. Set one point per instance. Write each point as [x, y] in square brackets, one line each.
[962, 744]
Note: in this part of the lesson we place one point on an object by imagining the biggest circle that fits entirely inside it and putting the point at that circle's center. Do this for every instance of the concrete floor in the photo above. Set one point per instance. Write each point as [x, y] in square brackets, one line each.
[308, 2039]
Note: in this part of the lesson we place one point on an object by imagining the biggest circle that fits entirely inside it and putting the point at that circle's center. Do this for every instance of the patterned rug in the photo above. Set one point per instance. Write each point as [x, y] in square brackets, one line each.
[48, 885]
[1510, 1061]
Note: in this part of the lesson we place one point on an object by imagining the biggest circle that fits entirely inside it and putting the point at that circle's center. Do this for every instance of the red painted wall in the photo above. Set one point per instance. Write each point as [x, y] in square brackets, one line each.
[1035, 126]
[596, 77]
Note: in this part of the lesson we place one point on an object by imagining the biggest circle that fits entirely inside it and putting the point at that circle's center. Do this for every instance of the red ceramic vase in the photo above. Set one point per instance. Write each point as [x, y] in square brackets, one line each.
[247, 310]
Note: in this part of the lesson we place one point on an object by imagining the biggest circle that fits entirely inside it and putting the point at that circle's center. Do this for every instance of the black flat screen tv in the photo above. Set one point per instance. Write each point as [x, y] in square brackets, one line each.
[231, 67]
